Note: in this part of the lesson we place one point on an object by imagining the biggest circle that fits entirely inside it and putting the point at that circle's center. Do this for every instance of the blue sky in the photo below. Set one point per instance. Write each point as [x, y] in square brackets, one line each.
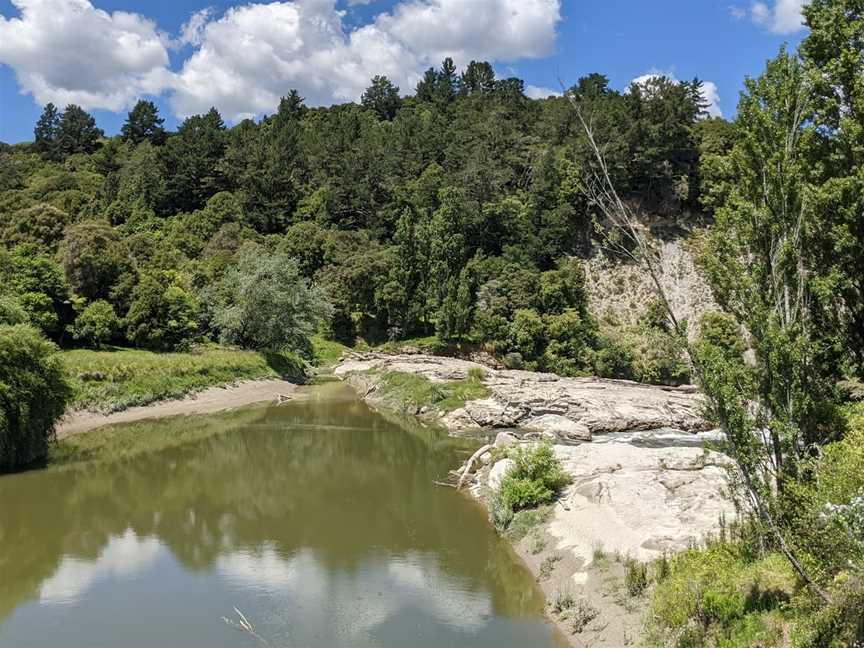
[190, 54]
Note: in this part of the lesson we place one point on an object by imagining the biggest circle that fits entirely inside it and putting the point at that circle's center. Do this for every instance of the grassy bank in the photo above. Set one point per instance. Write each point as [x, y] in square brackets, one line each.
[412, 393]
[116, 379]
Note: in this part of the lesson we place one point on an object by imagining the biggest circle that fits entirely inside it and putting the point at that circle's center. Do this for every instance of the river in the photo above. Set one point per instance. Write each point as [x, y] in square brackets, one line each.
[318, 519]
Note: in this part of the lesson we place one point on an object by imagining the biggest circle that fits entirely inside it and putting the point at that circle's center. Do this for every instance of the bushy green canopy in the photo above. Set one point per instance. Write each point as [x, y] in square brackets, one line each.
[33, 395]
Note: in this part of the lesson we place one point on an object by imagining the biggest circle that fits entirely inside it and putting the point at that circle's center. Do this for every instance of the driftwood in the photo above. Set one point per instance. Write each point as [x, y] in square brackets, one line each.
[470, 464]
[281, 398]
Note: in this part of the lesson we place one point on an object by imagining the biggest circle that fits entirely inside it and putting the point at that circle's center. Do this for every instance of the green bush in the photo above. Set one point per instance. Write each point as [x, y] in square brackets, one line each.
[33, 395]
[536, 477]
[11, 311]
[163, 315]
[96, 324]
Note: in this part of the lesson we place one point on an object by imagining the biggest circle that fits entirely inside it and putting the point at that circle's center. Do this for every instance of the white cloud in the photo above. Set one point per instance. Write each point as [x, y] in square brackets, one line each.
[710, 93]
[784, 17]
[67, 51]
[190, 32]
[712, 97]
[254, 54]
[540, 92]
[243, 61]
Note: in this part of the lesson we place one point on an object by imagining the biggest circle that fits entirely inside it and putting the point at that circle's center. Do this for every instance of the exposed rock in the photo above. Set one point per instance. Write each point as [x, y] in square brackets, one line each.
[638, 501]
[560, 426]
[571, 409]
[622, 291]
[504, 439]
[642, 484]
[496, 474]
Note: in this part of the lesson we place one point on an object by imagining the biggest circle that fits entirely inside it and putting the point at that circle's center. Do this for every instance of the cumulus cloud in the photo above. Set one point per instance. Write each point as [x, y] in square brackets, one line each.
[710, 93]
[190, 32]
[540, 92]
[243, 60]
[782, 17]
[67, 51]
[255, 53]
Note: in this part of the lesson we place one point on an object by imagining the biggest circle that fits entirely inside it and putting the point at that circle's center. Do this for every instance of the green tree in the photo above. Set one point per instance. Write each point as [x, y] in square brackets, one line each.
[455, 314]
[12, 311]
[265, 163]
[96, 324]
[382, 97]
[477, 79]
[94, 259]
[192, 162]
[832, 54]
[33, 395]
[144, 124]
[263, 302]
[163, 314]
[38, 282]
[41, 224]
[45, 132]
[77, 132]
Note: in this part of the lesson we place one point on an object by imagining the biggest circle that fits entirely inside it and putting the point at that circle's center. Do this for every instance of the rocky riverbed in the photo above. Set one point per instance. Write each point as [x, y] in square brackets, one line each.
[643, 482]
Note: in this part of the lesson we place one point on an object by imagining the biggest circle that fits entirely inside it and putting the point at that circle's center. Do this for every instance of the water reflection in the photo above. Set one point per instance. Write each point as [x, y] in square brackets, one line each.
[318, 518]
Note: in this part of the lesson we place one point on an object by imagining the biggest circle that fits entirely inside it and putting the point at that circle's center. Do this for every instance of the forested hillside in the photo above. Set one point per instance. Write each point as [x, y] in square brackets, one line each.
[459, 211]
[459, 215]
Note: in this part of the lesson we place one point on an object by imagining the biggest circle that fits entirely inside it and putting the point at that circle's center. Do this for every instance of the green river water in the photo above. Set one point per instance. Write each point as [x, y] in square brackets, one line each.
[318, 519]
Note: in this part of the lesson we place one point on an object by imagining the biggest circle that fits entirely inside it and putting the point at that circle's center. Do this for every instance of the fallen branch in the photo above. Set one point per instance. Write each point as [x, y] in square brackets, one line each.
[470, 464]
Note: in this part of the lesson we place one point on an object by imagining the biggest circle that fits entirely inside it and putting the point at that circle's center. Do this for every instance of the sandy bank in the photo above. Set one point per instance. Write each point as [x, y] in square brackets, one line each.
[214, 399]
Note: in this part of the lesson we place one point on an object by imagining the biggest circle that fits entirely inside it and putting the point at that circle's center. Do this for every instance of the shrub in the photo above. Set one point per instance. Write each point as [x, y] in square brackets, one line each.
[33, 395]
[96, 324]
[635, 576]
[11, 311]
[514, 360]
[163, 314]
[536, 478]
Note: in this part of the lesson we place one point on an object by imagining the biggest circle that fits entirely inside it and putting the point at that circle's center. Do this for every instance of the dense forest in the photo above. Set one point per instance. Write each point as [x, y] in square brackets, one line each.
[465, 211]
[458, 212]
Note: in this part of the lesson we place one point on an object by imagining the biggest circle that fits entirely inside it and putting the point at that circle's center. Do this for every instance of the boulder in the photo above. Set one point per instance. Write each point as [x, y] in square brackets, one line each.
[496, 474]
[505, 439]
[560, 426]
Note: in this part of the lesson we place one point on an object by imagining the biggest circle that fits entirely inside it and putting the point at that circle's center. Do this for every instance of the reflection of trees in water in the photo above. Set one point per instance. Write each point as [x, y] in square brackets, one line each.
[333, 477]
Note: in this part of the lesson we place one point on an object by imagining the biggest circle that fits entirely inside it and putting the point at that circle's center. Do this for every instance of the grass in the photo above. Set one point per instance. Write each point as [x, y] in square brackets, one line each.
[412, 392]
[719, 596]
[116, 379]
[548, 566]
[527, 520]
[327, 352]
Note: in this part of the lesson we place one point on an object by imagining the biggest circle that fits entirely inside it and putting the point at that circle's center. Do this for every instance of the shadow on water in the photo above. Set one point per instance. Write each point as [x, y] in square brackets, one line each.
[243, 504]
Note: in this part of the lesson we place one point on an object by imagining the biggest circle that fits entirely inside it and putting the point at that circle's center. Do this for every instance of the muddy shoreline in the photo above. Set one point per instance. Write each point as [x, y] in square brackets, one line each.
[213, 399]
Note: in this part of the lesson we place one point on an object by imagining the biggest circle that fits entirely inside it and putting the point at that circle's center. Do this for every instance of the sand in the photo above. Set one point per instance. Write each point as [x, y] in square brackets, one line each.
[214, 399]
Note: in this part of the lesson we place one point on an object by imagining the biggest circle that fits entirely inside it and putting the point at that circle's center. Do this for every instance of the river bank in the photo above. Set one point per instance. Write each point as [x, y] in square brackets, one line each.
[213, 399]
[643, 484]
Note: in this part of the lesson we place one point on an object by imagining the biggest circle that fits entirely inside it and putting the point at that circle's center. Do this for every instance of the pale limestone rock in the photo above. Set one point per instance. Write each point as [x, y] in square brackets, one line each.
[505, 439]
[499, 469]
[638, 501]
[561, 426]
[551, 406]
